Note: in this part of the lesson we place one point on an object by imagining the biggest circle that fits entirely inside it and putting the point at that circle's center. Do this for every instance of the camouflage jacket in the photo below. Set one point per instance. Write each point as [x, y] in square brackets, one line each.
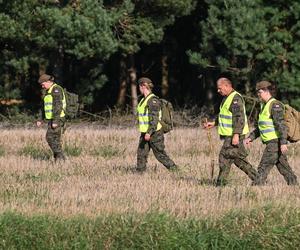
[57, 95]
[277, 114]
[154, 106]
[238, 114]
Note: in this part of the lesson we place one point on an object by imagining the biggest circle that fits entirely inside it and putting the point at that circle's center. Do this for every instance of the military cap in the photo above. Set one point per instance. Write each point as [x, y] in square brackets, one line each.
[144, 80]
[45, 78]
[262, 85]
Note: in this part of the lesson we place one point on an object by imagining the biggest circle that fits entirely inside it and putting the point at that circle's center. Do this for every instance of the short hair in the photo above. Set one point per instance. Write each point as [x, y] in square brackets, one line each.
[225, 80]
[272, 89]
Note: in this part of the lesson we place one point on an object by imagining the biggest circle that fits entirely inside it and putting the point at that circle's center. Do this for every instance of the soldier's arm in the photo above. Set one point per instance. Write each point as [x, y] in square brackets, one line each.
[277, 113]
[153, 109]
[255, 133]
[238, 115]
[57, 103]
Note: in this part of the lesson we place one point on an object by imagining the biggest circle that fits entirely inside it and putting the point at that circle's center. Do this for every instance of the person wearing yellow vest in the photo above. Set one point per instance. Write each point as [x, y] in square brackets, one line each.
[152, 136]
[232, 128]
[272, 130]
[54, 113]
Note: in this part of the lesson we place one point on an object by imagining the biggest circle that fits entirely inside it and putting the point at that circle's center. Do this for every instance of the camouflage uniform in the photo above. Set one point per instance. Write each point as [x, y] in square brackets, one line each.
[54, 135]
[272, 154]
[156, 142]
[236, 154]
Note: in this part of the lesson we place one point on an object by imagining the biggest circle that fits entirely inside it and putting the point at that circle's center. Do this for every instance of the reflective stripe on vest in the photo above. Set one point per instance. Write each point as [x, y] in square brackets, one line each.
[48, 103]
[225, 126]
[265, 123]
[144, 116]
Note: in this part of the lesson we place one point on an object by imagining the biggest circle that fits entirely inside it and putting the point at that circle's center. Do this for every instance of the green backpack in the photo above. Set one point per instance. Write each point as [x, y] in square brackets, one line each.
[166, 115]
[72, 101]
[292, 121]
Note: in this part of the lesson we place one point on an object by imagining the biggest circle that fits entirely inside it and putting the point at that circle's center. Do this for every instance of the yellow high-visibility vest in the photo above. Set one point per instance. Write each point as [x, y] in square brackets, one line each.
[48, 103]
[143, 115]
[265, 123]
[225, 126]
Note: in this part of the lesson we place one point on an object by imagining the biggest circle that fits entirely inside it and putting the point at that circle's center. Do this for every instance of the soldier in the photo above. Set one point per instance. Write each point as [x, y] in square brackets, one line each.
[273, 132]
[232, 128]
[152, 136]
[54, 112]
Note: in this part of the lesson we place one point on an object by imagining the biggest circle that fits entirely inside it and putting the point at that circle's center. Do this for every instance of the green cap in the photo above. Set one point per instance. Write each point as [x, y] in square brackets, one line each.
[45, 78]
[262, 85]
[144, 80]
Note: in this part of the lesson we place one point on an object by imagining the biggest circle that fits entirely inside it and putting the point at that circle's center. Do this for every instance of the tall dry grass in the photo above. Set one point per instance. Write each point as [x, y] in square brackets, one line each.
[98, 179]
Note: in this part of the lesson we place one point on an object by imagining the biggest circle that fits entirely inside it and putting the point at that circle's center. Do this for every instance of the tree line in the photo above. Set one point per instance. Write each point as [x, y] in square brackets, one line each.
[99, 48]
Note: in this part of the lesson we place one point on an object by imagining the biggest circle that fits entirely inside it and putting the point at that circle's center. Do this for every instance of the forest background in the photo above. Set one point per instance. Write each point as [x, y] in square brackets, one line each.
[99, 48]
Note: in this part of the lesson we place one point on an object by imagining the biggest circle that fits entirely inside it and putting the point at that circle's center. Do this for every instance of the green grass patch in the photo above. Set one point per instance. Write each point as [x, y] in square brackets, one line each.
[107, 151]
[72, 149]
[35, 152]
[263, 228]
[2, 151]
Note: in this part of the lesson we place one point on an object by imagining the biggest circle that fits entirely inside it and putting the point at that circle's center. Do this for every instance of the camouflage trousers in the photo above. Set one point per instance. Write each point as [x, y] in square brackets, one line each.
[272, 156]
[157, 145]
[230, 154]
[54, 139]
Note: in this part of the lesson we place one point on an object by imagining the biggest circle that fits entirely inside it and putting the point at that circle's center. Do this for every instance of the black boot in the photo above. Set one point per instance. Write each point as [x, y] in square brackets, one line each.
[59, 157]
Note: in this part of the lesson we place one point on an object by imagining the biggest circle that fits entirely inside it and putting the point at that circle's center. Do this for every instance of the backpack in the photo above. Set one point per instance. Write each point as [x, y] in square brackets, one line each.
[72, 107]
[292, 121]
[166, 115]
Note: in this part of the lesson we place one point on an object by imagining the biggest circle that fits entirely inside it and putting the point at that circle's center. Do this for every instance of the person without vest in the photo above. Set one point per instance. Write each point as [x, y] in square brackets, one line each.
[54, 113]
[273, 132]
[152, 136]
[232, 128]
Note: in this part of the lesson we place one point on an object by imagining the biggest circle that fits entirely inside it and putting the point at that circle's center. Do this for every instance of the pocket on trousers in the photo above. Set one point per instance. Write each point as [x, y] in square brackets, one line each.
[272, 147]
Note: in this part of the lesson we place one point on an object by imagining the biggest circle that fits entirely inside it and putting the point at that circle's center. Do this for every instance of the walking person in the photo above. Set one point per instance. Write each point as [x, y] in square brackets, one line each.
[54, 113]
[272, 130]
[152, 136]
[232, 128]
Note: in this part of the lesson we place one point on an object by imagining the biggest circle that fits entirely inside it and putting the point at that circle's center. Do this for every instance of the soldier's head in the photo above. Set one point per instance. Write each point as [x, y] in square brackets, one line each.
[145, 85]
[265, 90]
[46, 81]
[224, 86]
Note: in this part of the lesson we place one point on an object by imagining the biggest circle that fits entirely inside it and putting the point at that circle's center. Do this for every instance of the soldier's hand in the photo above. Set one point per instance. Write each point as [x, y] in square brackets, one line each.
[147, 137]
[54, 125]
[235, 139]
[208, 125]
[247, 141]
[283, 149]
[38, 123]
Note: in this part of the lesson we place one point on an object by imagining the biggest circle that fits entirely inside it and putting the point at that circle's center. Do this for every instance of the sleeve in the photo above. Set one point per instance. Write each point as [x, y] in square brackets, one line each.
[57, 95]
[255, 133]
[238, 114]
[277, 114]
[154, 106]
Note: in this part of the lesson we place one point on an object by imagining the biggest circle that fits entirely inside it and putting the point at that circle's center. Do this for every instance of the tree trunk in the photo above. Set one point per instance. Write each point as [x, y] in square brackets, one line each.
[58, 65]
[165, 76]
[133, 87]
[123, 84]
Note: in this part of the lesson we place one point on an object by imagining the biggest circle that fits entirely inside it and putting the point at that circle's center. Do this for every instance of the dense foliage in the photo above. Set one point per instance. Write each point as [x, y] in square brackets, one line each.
[98, 48]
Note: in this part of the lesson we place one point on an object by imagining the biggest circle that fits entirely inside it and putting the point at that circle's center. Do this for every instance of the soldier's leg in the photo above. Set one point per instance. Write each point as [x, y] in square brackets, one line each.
[142, 154]
[158, 147]
[53, 137]
[242, 163]
[286, 171]
[224, 164]
[268, 160]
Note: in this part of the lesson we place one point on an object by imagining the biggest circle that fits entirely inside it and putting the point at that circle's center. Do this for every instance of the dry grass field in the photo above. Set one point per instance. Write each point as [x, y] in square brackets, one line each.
[98, 176]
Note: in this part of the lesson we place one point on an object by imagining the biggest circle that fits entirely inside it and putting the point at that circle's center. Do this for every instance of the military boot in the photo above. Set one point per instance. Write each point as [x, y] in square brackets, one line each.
[59, 157]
